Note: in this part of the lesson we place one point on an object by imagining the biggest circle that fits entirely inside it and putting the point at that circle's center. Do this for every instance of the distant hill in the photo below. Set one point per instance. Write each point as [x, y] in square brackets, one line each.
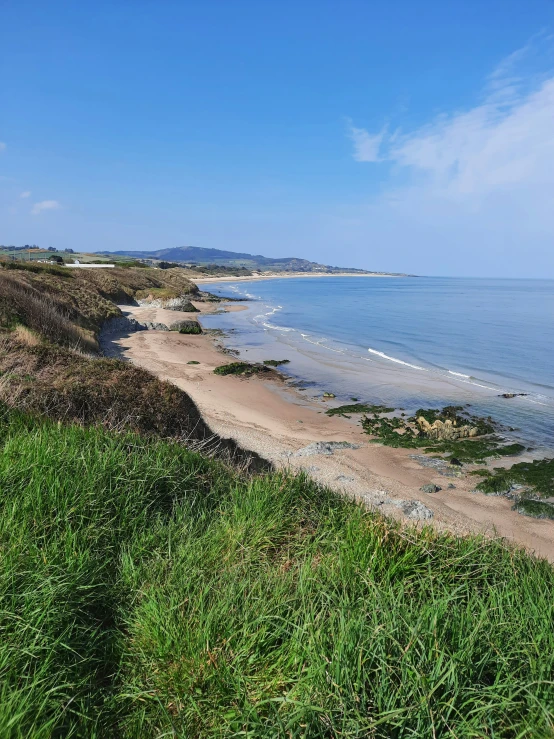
[200, 256]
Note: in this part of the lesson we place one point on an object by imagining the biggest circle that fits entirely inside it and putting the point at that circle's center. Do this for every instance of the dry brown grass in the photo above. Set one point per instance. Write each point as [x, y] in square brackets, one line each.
[68, 386]
[25, 336]
[157, 293]
[22, 303]
[123, 285]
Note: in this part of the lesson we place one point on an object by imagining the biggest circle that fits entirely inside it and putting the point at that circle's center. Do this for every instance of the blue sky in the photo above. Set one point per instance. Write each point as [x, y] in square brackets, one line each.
[394, 136]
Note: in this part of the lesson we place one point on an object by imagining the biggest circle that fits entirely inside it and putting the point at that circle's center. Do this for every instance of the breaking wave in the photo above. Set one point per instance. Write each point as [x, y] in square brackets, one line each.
[398, 361]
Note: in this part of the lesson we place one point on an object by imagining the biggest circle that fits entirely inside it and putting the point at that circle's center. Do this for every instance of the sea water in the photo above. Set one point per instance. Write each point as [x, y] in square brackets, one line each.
[409, 342]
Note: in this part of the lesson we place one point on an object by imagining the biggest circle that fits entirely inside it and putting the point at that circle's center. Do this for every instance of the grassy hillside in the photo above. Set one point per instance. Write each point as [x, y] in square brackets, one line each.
[50, 366]
[33, 295]
[146, 591]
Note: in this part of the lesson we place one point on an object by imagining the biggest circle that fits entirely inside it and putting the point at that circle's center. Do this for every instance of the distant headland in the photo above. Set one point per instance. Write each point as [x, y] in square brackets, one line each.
[239, 262]
[198, 261]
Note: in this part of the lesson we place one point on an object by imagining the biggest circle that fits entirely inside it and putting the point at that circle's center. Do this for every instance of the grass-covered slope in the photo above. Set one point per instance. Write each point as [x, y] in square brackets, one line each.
[49, 362]
[146, 591]
[47, 380]
[40, 296]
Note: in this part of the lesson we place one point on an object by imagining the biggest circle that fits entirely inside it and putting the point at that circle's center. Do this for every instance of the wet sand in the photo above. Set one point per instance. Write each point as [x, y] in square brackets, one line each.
[275, 420]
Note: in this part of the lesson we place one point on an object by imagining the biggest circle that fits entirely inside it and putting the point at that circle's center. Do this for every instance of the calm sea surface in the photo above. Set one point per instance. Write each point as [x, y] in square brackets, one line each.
[409, 341]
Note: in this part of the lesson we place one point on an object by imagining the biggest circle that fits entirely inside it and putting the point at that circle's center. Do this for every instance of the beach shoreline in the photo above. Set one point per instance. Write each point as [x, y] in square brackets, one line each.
[401, 343]
[271, 417]
[290, 275]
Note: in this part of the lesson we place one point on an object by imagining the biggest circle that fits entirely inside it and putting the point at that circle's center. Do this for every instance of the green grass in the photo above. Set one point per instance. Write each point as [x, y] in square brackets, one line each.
[196, 329]
[470, 450]
[52, 269]
[534, 508]
[157, 293]
[146, 591]
[358, 408]
[240, 368]
[275, 362]
[476, 450]
[538, 475]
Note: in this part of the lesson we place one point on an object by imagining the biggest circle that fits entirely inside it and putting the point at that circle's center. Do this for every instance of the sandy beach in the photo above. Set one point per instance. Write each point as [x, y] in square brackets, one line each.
[272, 418]
[288, 275]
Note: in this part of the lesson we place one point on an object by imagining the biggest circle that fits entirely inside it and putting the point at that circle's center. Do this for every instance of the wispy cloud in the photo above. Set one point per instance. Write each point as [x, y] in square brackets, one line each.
[2, 146]
[488, 169]
[478, 150]
[25, 194]
[45, 205]
[366, 145]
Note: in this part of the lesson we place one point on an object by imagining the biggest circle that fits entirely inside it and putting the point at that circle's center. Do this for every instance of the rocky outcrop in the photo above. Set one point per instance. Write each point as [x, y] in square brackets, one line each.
[186, 327]
[121, 324]
[325, 448]
[182, 304]
[442, 466]
[154, 326]
[430, 488]
[445, 430]
[412, 509]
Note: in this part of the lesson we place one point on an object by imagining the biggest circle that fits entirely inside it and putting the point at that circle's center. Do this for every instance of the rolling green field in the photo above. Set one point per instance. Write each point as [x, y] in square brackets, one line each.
[146, 591]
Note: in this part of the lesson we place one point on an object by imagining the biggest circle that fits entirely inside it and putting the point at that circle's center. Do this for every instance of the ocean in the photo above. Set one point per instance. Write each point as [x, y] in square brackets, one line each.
[408, 342]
